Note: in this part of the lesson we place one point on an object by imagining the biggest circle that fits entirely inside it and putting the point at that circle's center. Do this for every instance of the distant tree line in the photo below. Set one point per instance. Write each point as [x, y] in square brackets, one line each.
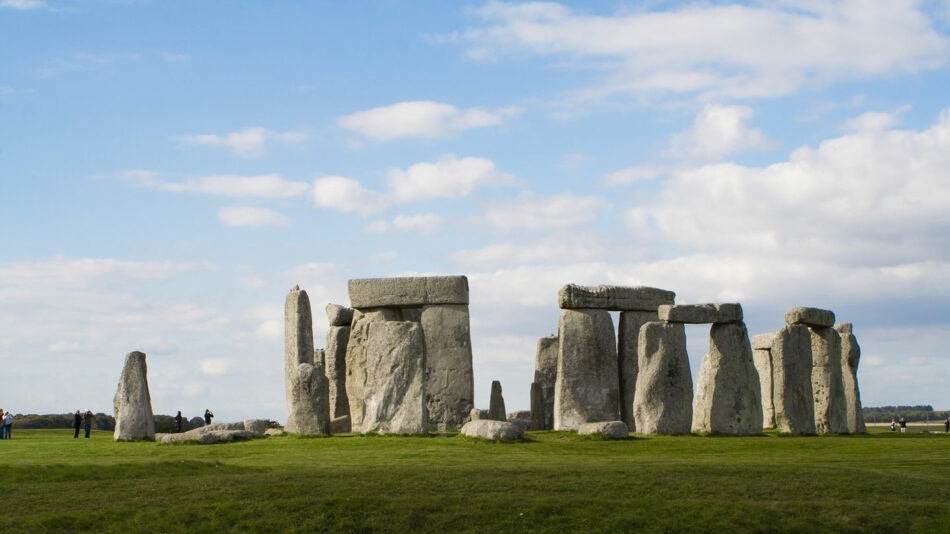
[884, 414]
[101, 421]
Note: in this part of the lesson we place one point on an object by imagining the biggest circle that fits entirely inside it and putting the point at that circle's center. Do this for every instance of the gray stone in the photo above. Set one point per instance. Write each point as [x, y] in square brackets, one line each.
[255, 426]
[762, 358]
[628, 337]
[132, 402]
[664, 399]
[588, 383]
[609, 429]
[844, 328]
[394, 396]
[337, 339]
[298, 336]
[791, 380]
[308, 410]
[340, 425]
[545, 375]
[412, 314]
[700, 313]
[763, 341]
[496, 406]
[478, 414]
[850, 355]
[408, 292]
[209, 437]
[493, 430]
[728, 395]
[522, 418]
[274, 432]
[356, 371]
[538, 408]
[831, 412]
[450, 381]
[614, 298]
[339, 315]
[814, 317]
[320, 357]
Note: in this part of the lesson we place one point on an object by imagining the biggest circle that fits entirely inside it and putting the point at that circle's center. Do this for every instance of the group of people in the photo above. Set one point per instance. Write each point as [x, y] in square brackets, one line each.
[179, 419]
[6, 423]
[903, 424]
[83, 420]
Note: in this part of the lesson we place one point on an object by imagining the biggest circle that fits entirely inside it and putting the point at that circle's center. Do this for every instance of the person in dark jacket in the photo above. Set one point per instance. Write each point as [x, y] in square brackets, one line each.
[87, 422]
[77, 422]
[178, 421]
[208, 415]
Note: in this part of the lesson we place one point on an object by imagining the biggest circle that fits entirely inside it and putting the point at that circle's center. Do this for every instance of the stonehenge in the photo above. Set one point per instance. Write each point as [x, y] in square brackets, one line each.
[338, 336]
[496, 406]
[826, 383]
[850, 354]
[545, 375]
[588, 384]
[762, 358]
[664, 398]
[394, 391]
[133, 405]
[792, 396]
[306, 384]
[728, 395]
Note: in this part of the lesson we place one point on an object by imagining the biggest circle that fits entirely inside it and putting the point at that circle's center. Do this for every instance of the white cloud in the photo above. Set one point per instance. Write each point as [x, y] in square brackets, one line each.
[424, 119]
[246, 143]
[66, 273]
[261, 186]
[875, 120]
[426, 223]
[22, 4]
[637, 173]
[214, 366]
[716, 132]
[556, 211]
[346, 195]
[710, 50]
[578, 249]
[248, 216]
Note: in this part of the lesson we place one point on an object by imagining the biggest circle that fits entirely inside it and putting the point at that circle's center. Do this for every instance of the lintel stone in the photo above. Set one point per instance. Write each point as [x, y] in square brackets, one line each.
[763, 341]
[701, 313]
[408, 292]
[614, 298]
[813, 317]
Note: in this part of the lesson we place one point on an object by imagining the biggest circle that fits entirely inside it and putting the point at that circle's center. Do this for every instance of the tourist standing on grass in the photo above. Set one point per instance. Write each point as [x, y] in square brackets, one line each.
[7, 425]
[208, 415]
[87, 422]
[893, 425]
[903, 425]
[178, 421]
[1, 423]
[77, 422]
[946, 425]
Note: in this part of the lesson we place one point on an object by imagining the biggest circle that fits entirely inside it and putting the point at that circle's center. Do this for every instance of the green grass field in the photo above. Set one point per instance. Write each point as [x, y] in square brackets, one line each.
[555, 482]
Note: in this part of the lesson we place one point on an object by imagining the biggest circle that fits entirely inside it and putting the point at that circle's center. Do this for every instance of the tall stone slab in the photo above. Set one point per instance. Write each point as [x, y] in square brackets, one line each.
[132, 402]
[628, 336]
[337, 339]
[728, 395]
[831, 412]
[663, 403]
[308, 410]
[762, 358]
[496, 404]
[450, 380]
[791, 380]
[588, 384]
[356, 370]
[394, 394]
[538, 408]
[850, 356]
[545, 376]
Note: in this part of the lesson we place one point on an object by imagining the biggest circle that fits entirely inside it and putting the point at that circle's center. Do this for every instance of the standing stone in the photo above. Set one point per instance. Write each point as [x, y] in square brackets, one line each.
[337, 339]
[496, 406]
[762, 358]
[394, 394]
[356, 370]
[791, 380]
[450, 381]
[728, 395]
[588, 384]
[628, 336]
[850, 355]
[132, 403]
[538, 408]
[545, 375]
[308, 411]
[298, 336]
[831, 411]
[663, 403]
[339, 315]
[320, 357]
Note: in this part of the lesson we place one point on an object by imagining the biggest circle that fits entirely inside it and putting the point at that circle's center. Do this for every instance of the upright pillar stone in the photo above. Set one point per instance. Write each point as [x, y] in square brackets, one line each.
[356, 365]
[588, 383]
[308, 410]
[545, 376]
[538, 408]
[337, 339]
[394, 392]
[132, 403]
[728, 395]
[628, 336]
[663, 403]
[831, 412]
[450, 381]
[298, 334]
[496, 406]
[791, 380]
[850, 355]
[762, 357]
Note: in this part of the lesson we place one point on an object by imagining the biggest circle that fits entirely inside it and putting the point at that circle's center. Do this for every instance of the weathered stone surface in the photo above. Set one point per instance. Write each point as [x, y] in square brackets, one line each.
[274, 432]
[763, 341]
[831, 412]
[628, 337]
[132, 402]
[496, 406]
[700, 313]
[298, 336]
[610, 429]
[791, 380]
[412, 314]
[339, 315]
[478, 414]
[664, 398]
[340, 425]
[255, 426]
[337, 339]
[762, 358]
[728, 395]
[545, 375]
[588, 384]
[394, 396]
[814, 317]
[493, 430]
[614, 298]
[538, 408]
[850, 355]
[450, 381]
[521, 418]
[844, 328]
[320, 357]
[356, 370]
[308, 410]
[408, 292]
[209, 437]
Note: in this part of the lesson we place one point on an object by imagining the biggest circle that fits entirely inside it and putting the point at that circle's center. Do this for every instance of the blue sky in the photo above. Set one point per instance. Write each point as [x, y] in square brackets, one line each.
[168, 171]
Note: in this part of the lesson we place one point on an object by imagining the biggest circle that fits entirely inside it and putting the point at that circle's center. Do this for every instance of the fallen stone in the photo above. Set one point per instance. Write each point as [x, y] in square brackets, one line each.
[132, 403]
[609, 429]
[613, 298]
[339, 315]
[791, 380]
[521, 418]
[545, 375]
[628, 337]
[728, 395]
[493, 430]
[762, 358]
[356, 370]
[337, 339]
[340, 425]
[538, 408]
[850, 355]
[588, 383]
[208, 437]
[255, 426]
[394, 396]
[700, 313]
[496, 406]
[664, 398]
[763, 341]
[450, 380]
[408, 292]
[831, 412]
[814, 317]
[274, 432]
[308, 411]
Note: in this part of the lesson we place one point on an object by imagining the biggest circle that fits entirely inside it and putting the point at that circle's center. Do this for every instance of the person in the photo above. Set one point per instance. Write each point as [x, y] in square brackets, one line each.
[946, 425]
[87, 422]
[178, 421]
[208, 415]
[893, 425]
[903, 425]
[1, 423]
[7, 425]
[77, 422]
